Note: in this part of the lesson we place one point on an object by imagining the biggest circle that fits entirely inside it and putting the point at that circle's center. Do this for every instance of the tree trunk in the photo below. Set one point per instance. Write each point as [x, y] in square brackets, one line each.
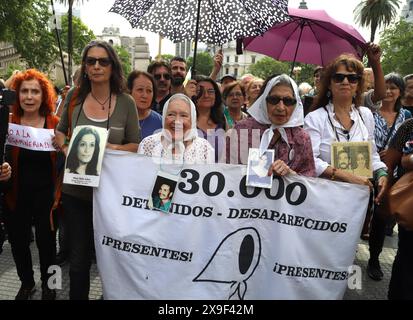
[373, 31]
[70, 39]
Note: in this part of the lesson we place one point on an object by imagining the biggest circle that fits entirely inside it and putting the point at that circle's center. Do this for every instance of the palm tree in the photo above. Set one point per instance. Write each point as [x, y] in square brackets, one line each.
[70, 33]
[376, 13]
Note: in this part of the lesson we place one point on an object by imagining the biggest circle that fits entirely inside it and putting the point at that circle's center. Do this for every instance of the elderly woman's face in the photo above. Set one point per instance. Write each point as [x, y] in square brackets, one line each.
[142, 92]
[278, 112]
[86, 148]
[255, 88]
[178, 119]
[30, 96]
[235, 98]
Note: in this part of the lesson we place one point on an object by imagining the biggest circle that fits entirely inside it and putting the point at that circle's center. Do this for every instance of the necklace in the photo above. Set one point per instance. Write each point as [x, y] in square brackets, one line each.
[102, 104]
[345, 131]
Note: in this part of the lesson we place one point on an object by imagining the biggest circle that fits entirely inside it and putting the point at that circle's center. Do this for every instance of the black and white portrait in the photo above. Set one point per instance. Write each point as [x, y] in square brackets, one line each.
[258, 166]
[85, 155]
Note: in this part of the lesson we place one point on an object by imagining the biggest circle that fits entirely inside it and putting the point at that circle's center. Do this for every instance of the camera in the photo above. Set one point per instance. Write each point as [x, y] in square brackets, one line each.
[7, 97]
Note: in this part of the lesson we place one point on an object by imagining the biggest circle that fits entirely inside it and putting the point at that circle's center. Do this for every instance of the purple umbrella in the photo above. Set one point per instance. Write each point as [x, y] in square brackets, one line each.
[311, 36]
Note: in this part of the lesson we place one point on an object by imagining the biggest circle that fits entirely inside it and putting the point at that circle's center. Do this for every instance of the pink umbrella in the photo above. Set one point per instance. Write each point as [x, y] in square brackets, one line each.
[311, 36]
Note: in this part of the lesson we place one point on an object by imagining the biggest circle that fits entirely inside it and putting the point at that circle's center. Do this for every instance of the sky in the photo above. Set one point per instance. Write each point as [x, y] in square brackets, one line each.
[95, 14]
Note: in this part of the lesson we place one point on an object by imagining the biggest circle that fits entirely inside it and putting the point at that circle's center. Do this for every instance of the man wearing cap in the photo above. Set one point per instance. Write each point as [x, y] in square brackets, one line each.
[226, 80]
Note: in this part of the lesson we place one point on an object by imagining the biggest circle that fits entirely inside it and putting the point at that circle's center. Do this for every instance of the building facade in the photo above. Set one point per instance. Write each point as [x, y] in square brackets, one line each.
[234, 64]
[137, 47]
[407, 11]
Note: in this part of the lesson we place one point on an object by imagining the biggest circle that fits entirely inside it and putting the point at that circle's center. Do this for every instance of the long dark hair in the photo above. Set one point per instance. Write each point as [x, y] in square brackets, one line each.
[217, 110]
[397, 80]
[72, 158]
[117, 79]
[352, 64]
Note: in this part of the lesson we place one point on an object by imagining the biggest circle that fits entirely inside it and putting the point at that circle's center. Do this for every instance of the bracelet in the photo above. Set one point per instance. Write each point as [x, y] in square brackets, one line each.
[381, 173]
[333, 175]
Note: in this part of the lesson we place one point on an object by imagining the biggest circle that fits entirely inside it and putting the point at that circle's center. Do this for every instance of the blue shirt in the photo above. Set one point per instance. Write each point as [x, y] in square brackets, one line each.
[382, 131]
[149, 125]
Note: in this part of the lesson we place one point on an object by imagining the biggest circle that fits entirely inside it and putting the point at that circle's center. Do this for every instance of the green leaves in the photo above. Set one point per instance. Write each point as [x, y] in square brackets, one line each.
[268, 66]
[375, 14]
[204, 63]
[397, 45]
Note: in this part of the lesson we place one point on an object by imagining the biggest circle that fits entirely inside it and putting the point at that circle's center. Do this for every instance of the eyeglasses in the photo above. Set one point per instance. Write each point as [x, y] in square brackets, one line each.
[352, 77]
[104, 62]
[235, 94]
[286, 100]
[166, 76]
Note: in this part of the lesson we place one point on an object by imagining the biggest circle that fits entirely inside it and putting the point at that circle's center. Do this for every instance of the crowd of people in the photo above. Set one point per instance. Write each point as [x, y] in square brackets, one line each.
[158, 114]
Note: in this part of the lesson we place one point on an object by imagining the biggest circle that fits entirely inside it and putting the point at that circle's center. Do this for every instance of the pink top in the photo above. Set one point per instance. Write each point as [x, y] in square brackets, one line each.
[298, 156]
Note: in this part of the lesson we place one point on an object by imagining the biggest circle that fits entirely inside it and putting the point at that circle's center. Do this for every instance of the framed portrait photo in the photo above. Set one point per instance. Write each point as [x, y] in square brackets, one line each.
[257, 168]
[353, 157]
[85, 156]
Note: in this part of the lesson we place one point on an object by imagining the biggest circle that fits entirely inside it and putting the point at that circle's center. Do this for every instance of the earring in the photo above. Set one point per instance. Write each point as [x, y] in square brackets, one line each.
[328, 94]
[85, 75]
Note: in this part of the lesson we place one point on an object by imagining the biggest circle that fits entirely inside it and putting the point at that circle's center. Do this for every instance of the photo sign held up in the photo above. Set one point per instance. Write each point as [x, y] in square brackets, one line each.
[85, 155]
[353, 157]
[221, 239]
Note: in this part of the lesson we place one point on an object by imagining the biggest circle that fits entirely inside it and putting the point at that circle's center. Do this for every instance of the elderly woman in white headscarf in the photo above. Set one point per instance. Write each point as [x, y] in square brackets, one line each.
[275, 123]
[178, 141]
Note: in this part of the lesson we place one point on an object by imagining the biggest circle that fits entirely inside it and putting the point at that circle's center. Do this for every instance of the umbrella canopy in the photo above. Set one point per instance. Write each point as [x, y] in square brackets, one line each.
[219, 20]
[311, 36]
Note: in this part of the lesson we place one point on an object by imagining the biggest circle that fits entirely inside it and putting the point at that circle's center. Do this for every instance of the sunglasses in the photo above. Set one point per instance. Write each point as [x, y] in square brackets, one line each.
[166, 76]
[352, 77]
[104, 62]
[275, 100]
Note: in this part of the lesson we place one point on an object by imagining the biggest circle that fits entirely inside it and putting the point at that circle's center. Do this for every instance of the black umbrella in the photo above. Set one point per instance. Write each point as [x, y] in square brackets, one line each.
[209, 21]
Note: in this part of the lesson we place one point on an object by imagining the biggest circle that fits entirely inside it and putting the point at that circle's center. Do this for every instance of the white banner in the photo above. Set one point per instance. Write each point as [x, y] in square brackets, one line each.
[222, 240]
[30, 138]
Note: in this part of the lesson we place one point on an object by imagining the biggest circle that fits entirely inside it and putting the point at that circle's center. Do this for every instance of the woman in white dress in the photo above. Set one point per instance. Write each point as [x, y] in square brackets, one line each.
[178, 140]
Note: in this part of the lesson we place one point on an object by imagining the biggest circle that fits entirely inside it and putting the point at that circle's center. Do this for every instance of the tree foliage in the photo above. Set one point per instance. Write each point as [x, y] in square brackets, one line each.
[124, 59]
[28, 30]
[82, 35]
[167, 57]
[397, 45]
[375, 14]
[28, 25]
[268, 66]
[204, 63]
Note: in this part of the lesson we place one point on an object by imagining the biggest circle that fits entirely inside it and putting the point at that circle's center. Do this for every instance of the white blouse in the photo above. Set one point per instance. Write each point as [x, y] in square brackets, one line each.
[322, 134]
[199, 151]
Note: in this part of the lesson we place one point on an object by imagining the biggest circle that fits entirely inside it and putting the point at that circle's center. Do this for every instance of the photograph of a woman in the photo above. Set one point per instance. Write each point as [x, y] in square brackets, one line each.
[362, 167]
[84, 156]
[258, 167]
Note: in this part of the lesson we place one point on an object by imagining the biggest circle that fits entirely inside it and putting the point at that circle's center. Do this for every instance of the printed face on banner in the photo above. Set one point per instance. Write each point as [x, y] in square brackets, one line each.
[162, 192]
[258, 166]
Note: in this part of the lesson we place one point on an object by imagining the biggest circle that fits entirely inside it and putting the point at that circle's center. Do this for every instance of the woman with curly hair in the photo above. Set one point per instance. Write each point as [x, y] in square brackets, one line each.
[31, 193]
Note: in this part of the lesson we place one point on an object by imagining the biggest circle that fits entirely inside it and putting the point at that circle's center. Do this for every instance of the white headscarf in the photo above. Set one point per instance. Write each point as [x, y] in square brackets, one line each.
[258, 111]
[191, 134]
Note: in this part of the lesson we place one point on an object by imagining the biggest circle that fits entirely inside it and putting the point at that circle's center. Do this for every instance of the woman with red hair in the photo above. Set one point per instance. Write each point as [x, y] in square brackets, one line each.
[31, 193]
